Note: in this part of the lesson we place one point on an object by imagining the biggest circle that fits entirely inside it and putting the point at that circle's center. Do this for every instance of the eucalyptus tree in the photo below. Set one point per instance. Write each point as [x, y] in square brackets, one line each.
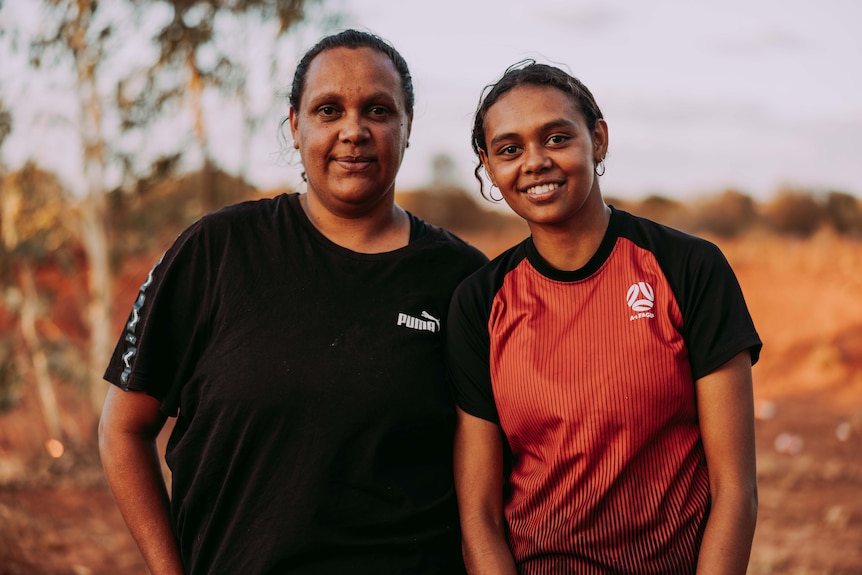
[80, 38]
[191, 60]
[32, 228]
[75, 34]
[35, 230]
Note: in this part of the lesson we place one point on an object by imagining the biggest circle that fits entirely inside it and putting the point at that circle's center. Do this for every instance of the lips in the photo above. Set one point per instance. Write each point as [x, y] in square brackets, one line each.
[354, 163]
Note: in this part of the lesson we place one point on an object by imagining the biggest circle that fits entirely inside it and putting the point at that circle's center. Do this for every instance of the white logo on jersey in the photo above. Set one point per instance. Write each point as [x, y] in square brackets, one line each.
[429, 323]
[641, 298]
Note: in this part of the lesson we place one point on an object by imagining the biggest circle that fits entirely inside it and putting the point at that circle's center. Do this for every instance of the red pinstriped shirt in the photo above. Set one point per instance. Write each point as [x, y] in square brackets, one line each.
[590, 374]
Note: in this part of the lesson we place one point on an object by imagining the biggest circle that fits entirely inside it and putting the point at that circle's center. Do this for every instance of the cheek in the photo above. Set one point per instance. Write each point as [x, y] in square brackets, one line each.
[503, 175]
[312, 144]
[395, 142]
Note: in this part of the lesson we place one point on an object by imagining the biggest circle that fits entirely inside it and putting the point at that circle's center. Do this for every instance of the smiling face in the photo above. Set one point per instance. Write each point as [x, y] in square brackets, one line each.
[351, 129]
[541, 154]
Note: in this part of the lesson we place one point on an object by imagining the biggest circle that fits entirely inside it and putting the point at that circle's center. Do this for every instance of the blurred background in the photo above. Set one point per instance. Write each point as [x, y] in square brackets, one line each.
[122, 122]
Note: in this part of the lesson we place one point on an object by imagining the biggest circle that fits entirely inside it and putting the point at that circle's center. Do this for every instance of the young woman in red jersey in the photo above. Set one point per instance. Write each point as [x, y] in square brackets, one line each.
[601, 367]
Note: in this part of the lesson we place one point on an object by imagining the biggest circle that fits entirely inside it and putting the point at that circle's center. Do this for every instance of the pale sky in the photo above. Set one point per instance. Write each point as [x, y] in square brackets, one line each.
[699, 96]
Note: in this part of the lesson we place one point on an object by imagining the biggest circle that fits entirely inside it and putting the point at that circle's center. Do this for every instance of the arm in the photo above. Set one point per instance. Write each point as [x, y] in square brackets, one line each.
[130, 423]
[726, 410]
[479, 484]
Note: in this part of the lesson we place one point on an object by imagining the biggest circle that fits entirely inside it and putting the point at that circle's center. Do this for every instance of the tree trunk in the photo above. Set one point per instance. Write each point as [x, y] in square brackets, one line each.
[94, 221]
[195, 87]
[36, 353]
[99, 303]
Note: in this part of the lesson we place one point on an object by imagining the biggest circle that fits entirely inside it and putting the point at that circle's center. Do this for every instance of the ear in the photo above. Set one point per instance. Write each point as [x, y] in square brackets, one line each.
[294, 127]
[408, 130]
[600, 140]
[483, 157]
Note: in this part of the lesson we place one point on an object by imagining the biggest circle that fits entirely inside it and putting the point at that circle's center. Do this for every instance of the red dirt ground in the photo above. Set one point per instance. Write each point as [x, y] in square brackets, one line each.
[57, 518]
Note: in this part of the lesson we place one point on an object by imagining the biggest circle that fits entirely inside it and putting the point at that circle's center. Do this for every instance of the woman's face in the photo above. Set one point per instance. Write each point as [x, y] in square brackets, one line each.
[541, 155]
[351, 129]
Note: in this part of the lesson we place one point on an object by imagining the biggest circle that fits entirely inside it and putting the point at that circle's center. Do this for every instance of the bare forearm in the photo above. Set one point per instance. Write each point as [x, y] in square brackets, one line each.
[486, 551]
[134, 474]
[726, 411]
[726, 546]
[479, 484]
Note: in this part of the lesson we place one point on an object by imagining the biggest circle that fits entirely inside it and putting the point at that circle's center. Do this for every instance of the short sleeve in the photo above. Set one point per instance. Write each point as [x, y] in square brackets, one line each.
[468, 350]
[163, 336]
[717, 324]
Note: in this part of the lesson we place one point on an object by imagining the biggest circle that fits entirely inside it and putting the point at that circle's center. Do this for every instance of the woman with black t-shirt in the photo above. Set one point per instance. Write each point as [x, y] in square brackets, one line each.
[299, 342]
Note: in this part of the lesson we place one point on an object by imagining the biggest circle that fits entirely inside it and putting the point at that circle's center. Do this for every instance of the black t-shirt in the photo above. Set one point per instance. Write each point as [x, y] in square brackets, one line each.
[314, 427]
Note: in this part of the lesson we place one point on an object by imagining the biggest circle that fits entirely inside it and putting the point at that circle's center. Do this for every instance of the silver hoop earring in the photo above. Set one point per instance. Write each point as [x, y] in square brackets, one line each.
[491, 194]
[600, 166]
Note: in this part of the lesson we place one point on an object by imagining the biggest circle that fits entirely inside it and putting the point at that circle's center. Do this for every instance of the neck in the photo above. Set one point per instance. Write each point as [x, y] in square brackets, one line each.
[570, 247]
[383, 228]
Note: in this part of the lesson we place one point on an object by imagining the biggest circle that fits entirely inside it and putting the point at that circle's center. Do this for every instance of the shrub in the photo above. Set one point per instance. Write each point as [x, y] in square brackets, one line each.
[727, 215]
[10, 382]
[664, 211]
[794, 212]
[843, 213]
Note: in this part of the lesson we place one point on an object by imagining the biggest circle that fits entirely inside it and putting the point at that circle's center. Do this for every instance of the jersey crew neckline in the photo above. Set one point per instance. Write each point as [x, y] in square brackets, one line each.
[418, 234]
[596, 261]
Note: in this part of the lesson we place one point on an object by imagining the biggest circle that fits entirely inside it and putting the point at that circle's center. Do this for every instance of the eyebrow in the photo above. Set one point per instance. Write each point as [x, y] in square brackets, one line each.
[380, 96]
[561, 123]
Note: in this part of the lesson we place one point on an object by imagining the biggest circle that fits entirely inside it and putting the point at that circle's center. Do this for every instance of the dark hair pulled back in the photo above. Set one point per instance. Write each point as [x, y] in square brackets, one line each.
[530, 73]
[352, 39]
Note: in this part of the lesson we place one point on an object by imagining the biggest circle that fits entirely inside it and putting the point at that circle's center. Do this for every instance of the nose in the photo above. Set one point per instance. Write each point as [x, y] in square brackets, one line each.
[354, 128]
[536, 159]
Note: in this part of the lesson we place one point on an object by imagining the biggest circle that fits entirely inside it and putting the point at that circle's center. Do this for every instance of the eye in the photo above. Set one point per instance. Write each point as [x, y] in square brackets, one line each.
[557, 139]
[508, 151]
[326, 111]
[379, 111]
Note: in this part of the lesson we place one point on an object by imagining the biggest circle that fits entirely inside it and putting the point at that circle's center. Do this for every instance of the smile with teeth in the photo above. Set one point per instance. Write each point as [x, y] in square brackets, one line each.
[543, 189]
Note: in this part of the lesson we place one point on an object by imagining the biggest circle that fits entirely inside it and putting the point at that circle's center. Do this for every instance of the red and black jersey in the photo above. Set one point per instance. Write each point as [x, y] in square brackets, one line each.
[590, 374]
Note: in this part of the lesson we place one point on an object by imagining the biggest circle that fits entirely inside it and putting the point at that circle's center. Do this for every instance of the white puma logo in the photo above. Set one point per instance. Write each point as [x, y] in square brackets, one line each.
[430, 323]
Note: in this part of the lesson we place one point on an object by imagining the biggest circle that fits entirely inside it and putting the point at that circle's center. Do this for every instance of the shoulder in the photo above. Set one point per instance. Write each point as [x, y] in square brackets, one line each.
[486, 281]
[244, 218]
[448, 244]
[249, 211]
[668, 245]
[645, 231]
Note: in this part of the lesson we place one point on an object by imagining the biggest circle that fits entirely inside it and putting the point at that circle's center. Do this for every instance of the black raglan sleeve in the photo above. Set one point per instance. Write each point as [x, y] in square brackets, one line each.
[717, 324]
[468, 348]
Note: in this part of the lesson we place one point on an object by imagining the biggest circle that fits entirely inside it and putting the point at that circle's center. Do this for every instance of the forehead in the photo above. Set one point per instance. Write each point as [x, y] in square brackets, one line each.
[530, 105]
[350, 72]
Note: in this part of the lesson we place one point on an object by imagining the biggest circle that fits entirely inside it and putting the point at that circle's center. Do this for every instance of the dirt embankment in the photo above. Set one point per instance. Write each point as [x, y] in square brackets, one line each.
[808, 388]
